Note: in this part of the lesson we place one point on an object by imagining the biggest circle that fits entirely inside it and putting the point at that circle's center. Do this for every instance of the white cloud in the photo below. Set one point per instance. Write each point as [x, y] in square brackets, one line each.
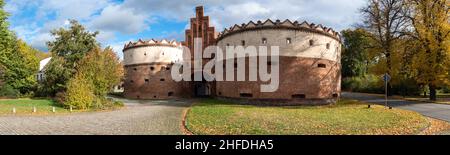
[120, 19]
[129, 17]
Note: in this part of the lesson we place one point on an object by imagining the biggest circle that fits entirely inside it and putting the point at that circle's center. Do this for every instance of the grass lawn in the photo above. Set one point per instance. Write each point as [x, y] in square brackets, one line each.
[348, 117]
[25, 107]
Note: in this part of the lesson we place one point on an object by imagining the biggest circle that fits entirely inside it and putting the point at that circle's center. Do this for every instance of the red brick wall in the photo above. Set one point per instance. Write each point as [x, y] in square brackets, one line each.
[154, 88]
[298, 76]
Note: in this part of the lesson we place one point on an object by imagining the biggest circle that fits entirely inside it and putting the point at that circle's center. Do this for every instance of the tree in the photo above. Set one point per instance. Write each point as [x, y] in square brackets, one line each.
[68, 48]
[98, 72]
[80, 92]
[387, 21]
[355, 58]
[430, 20]
[103, 68]
[18, 62]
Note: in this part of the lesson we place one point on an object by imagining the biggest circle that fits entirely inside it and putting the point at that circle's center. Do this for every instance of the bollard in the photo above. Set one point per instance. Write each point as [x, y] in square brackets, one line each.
[53, 109]
[34, 110]
[14, 110]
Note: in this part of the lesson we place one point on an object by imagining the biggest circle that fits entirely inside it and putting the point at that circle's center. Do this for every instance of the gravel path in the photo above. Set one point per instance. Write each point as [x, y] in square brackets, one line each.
[137, 118]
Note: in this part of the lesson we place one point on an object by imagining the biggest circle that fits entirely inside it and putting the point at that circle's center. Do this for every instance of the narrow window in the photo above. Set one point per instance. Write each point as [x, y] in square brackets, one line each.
[147, 80]
[288, 41]
[152, 68]
[269, 63]
[311, 42]
[299, 96]
[328, 46]
[322, 66]
[246, 95]
[243, 42]
[135, 69]
[264, 41]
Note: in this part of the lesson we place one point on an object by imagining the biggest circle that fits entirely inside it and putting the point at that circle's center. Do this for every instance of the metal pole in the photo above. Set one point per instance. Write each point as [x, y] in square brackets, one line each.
[386, 93]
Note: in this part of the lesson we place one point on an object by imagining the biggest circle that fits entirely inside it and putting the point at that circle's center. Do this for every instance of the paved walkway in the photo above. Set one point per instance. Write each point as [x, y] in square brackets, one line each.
[137, 118]
[438, 111]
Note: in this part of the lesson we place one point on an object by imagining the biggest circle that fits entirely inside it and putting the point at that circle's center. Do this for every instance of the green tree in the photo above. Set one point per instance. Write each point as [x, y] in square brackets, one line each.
[355, 57]
[103, 68]
[98, 72]
[18, 62]
[68, 48]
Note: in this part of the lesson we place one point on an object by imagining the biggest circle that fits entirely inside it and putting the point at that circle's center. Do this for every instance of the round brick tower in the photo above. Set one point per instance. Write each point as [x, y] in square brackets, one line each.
[148, 69]
[309, 63]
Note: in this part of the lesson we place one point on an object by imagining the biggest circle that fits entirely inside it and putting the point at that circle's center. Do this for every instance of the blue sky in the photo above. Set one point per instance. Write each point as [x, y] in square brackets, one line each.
[121, 21]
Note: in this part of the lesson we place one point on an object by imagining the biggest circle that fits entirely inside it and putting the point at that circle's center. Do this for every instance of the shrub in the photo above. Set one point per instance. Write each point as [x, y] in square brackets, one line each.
[365, 84]
[446, 89]
[8, 91]
[79, 93]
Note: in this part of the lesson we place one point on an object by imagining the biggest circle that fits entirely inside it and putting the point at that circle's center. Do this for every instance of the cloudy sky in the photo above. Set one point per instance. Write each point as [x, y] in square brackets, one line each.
[120, 21]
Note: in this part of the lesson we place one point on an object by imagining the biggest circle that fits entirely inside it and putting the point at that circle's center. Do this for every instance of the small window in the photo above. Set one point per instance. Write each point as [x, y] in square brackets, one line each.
[154, 96]
[246, 95]
[162, 80]
[269, 63]
[243, 42]
[322, 66]
[152, 68]
[264, 41]
[228, 44]
[138, 97]
[145, 54]
[131, 81]
[147, 80]
[311, 42]
[167, 68]
[299, 96]
[328, 46]
[220, 93]
[170, 94]
[135, 69]
[288, 41]
[162, 53]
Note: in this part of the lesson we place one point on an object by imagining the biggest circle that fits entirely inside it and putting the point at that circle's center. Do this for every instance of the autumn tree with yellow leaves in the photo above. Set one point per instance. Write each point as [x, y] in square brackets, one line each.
[431, 62]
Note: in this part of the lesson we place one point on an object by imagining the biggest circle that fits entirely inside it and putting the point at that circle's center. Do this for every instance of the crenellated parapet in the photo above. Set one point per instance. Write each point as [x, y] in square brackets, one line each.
[287, 24]
[151, 42]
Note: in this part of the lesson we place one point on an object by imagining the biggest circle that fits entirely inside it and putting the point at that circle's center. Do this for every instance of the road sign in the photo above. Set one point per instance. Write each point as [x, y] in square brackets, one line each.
[386, 77]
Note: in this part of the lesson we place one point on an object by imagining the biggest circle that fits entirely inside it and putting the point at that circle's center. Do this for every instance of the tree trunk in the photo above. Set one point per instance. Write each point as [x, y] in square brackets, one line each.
[432, 92]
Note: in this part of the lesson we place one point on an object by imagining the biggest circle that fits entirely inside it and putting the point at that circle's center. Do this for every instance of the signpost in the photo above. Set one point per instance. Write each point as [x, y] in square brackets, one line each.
[386, 79]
